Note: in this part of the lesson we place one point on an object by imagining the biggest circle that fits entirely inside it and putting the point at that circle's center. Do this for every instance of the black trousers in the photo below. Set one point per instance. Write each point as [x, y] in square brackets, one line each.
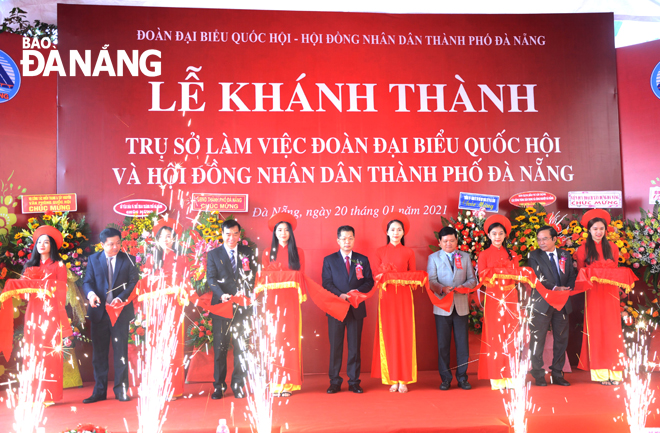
[539, 326]
[103, 334]
[226, 332]
[353, 328]
[444, 326]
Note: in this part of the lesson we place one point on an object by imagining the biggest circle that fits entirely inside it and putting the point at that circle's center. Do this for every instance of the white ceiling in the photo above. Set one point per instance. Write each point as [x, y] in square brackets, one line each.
[636, 21]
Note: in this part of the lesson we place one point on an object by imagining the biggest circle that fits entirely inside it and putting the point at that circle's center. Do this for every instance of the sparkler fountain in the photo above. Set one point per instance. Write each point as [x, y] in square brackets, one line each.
[638, 384]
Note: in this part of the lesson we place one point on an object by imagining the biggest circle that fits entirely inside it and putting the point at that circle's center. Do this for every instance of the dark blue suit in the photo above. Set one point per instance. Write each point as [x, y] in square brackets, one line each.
[338, 281]
[222, 280]
[125, 277]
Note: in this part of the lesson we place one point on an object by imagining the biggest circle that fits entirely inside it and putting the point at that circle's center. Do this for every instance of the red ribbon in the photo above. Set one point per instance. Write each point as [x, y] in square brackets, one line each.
[446, 301]
[223, 309]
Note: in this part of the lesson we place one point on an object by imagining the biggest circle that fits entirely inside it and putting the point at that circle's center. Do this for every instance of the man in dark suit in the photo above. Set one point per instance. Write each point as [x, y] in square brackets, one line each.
[344, 272]
[554, 268]
[231, 270]
[110, 278]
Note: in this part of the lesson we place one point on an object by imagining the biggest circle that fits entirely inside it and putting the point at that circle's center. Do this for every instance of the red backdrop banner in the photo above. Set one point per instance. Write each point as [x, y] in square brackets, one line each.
[639, 109]
[339, 118]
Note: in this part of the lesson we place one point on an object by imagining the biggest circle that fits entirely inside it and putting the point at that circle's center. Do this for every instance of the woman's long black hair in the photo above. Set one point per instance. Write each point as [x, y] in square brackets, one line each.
[592, 252]
[294, 260]
[388, 229]
[35, 258]
[158, 253]
[494, 226]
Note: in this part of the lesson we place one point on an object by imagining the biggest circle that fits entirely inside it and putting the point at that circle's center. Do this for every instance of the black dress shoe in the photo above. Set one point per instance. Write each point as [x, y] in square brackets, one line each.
[123, 398]
[356, 389]
[464, 384]
[558, 380]
[540, 381]
[217, 394]
[94, 398]
[239, 393]
[334, 389]
[445, 385]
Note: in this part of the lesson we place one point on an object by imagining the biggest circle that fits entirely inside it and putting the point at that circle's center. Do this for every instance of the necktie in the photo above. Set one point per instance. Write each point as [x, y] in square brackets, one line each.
[451, 262]
[348, 265]
[555, 268]
[233, 260]
[108, 297]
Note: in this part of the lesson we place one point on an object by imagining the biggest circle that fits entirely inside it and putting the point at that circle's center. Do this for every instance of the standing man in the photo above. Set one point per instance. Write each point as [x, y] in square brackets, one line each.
[110, 279]
[449, 269]
[343, 272]
[231, 270]
[554, 268]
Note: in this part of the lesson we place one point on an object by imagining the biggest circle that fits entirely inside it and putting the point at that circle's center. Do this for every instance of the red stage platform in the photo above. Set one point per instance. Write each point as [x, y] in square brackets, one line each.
[582, 407]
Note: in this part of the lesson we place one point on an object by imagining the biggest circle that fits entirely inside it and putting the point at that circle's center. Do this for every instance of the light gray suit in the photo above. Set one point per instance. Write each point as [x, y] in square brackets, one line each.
[456, 319]
[441, 274]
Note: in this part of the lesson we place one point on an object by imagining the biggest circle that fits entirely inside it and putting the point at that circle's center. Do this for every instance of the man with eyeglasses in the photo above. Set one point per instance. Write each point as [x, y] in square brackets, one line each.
[343, 272]
[554, 268]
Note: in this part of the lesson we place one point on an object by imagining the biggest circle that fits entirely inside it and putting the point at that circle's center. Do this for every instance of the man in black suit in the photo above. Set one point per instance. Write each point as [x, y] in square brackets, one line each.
[231, 270]
[554, 268]
[344, 272]
[110, 278]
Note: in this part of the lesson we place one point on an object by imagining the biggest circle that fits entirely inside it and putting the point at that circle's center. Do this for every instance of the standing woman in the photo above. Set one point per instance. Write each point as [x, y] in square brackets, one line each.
[284, 252]
[395, 355]
[500, 305]
[602, 341]
[45, 263]
[166, 268]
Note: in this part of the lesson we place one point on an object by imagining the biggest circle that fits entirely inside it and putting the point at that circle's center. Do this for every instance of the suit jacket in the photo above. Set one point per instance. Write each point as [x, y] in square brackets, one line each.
[441, 274]
[125, 277]
[539, 261]
[338, 281]
[221, 277]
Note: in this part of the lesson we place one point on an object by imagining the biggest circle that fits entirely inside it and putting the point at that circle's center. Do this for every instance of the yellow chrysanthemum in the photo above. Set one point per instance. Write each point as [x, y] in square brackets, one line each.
[68, 265]
[536, 226]
[77, 263]
[624, 250]
[79, 250]
[65, 257]
[584, 235]
[618, 224]
[619, 244]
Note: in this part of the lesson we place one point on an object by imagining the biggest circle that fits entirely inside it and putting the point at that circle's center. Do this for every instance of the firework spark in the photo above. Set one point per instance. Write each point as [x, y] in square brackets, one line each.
[28, 400]
[518, 402]
[638, 385]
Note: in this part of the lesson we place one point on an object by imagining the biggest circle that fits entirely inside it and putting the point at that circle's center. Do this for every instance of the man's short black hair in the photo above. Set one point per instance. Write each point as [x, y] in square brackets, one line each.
[109, 233]
[553, 232]
[345, 229]
[228, 224]
[447, 231]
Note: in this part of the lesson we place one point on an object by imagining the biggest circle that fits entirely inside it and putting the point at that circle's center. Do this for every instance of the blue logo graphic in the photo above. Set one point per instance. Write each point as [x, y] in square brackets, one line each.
[655, 80]
[10, 78]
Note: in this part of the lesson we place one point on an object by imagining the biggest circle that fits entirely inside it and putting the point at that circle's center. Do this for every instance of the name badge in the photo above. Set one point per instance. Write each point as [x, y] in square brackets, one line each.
[457, 262]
